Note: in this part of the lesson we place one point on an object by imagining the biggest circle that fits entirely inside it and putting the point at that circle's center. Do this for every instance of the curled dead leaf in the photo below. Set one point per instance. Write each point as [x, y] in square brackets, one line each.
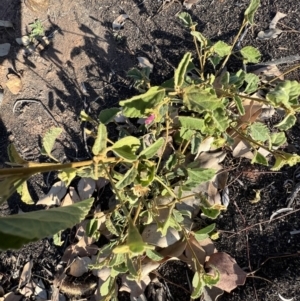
[14, 83]
[79, 266]
[26, 274]
[119, 22]
[55, 194]
[189, 3]
[231, 275]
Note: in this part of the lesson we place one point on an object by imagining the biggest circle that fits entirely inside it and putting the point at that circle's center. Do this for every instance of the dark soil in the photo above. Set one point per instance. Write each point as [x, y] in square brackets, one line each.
[84, 49]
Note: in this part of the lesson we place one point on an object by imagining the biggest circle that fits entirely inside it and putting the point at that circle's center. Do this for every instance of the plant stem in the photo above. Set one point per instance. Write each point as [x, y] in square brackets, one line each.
[231, 48]
[159, 180]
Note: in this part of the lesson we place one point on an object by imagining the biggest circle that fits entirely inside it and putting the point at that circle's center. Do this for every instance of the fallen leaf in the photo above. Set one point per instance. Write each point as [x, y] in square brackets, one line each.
[268, 34]
[26, 274]
[55, 194]
[144, 63]
[225, 197]
[231, 275]
[14, 83]
[275, 20]
[24, 40]
[135, 288]
[119, 22]
[212, 294]
[40, 291]
[4, 49]
[152, 236]
[282, 210]
[12, 297]
[243, 149]
[268, 72]
[79, 266]
[28, 289]
[86, 187]
[189, 3]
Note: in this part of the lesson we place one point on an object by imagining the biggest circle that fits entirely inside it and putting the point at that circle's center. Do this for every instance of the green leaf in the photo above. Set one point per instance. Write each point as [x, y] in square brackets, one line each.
[283, 158]
[49, 140]
[182, 69]
[222, 49]
[85, 117]
[203, 233]
[259, 158]
[250, 54]
[220, 119]
[237, 79]
[251, 10]
[17, 230]
[201, 39]
[278, 139]
[155, 256]
[199, 175]
[126, 147]
[252, 81]
[195, 143]
[143, 104]
[197, 99]
[128, 178]
[9, 185]
[14, 156]
[108, 115]
[106, 286]
[134, 239]
[24, 193]
[151, 151]
[57, 239]
[215, 60]
[287, 122]
[259, 131]
[186, 19]
[211, 212]
[239, 105]
[191, 123]
[67, 175]
[91, 228]
[198, 286]
[100, 142]
[211, 280]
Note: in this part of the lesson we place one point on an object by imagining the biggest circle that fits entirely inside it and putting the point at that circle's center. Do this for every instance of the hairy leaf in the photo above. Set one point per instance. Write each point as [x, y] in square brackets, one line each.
[259, 158]
[126, 147]
[182, 69]
[199, 175]
[251, 10]
[191, 123]
[198, 286]
[24, 193]
[17, 230]
[67, 175]
[203, 41]
[108, 115]
[151, 151]
[259, 131]
[128, 178]
[239, 105]
[252, 81]
[100, 142]
[197, 99]
[287, 122]
[49, 140]
[222, 49]
[143, 104]
[203, 233]
[186, 19]
[278, 139]
[283, 158]
[250, 54]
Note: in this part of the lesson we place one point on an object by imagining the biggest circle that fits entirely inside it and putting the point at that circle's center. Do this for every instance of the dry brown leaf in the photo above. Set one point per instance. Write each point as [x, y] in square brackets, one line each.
[242, 149]
[268, 34]
[12, 297]
[119, 22]
[144, 63]
[102, 273]
[275, 20]
[133, 287]
[231, 275]
[55, 194]
[208, 246]
[26, 274]
[212, 294]
[174, 250]
[14, 83]
[268, 72]
[86, 187]
[152, 236]
[28, 289]
[79, 266]
[40, 291]
[189, 3]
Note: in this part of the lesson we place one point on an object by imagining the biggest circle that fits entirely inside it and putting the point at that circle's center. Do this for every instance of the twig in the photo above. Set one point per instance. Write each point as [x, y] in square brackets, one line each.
[20, 101]
[263, 222]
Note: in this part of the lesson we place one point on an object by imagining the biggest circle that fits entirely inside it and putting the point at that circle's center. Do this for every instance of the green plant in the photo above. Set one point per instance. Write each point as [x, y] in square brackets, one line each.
[156, 171]
[37, 30]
